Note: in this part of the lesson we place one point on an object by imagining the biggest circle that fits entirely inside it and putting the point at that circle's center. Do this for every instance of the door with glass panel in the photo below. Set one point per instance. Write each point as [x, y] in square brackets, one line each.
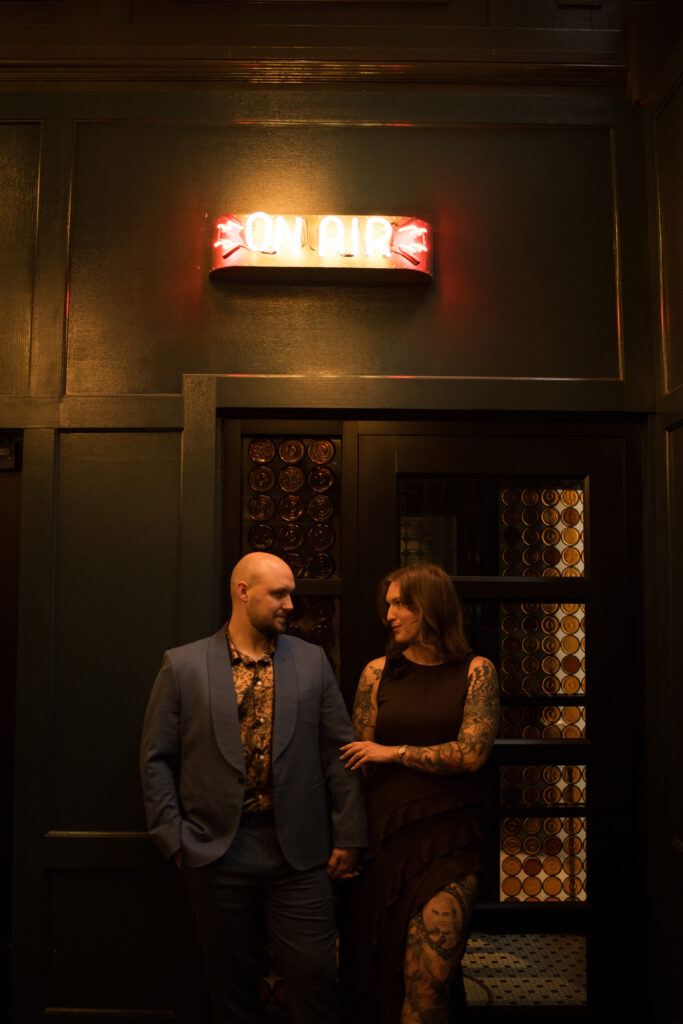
[538, 527]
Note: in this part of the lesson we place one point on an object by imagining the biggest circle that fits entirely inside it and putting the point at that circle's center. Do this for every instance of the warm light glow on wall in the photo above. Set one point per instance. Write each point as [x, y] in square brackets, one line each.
[291, 243]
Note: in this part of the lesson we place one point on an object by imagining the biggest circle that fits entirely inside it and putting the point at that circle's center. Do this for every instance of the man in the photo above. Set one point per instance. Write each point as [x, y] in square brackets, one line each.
[244, 789]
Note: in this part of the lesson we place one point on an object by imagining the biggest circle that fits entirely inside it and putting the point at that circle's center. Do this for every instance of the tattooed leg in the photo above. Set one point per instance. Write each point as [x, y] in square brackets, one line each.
[434, 947]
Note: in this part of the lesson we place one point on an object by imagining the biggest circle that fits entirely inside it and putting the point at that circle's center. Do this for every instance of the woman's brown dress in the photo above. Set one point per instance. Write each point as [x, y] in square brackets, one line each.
[424, 833]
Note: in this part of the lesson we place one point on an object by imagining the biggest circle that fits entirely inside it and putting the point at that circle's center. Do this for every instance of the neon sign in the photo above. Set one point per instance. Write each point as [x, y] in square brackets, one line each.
[265, 246]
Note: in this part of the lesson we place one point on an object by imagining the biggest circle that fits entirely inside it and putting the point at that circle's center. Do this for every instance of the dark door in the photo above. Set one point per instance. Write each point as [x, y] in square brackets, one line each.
[537, 525]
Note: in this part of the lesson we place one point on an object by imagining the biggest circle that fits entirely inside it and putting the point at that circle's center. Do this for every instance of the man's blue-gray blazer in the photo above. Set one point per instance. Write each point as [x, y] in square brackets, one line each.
[192, 764]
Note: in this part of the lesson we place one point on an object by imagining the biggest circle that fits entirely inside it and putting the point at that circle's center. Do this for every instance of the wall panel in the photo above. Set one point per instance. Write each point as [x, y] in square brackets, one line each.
[116, 585]
[19, 172]
[526, 272]
[669, 171]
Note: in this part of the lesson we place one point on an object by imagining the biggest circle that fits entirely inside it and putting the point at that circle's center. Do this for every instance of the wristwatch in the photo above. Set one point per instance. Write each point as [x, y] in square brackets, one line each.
[400, 751]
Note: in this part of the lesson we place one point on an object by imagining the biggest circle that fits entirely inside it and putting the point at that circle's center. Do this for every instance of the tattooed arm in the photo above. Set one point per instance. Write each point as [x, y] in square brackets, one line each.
[467, 753]
[365, 702]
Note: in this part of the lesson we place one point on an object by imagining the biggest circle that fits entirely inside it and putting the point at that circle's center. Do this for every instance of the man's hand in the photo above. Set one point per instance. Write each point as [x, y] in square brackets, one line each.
[341, 863]
[177, 858]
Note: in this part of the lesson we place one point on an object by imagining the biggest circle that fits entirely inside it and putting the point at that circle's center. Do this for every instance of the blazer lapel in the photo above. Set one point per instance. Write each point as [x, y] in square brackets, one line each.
[286, 696]
[223, 702]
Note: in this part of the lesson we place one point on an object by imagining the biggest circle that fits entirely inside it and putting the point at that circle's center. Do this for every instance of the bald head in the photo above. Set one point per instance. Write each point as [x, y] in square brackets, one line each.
[261, 587]
[255, 567]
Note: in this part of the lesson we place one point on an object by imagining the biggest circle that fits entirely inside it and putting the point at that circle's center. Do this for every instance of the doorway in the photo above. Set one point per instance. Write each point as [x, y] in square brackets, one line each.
[537, 521]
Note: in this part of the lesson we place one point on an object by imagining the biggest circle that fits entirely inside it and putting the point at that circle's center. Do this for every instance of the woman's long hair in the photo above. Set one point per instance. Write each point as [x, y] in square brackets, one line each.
[428, 592]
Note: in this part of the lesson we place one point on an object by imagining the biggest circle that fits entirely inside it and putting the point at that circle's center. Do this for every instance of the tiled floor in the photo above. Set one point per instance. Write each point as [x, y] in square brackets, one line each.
[531, 970]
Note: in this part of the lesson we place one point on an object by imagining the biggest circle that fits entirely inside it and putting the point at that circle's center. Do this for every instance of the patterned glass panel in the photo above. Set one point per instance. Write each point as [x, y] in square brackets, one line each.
[548, 785]
[542, 649]
[316, 619]
[543, 859]
[541, 530]
[290, 502]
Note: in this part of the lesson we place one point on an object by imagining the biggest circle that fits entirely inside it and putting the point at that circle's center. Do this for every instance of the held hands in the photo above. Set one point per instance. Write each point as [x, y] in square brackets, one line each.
[341, 864]
[361, 752]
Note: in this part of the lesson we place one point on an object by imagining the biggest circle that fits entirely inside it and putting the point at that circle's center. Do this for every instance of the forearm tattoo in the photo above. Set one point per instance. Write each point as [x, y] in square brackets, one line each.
[365, 704]
[477, 733]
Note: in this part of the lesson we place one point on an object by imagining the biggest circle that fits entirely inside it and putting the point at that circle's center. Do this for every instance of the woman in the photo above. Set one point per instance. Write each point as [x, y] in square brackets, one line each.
[425, 717]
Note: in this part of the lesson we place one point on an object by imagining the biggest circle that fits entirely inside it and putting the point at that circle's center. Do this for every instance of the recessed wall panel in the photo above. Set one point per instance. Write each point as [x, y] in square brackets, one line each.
[525, 263]
[669, 149]
[117, 541]
[19, 170]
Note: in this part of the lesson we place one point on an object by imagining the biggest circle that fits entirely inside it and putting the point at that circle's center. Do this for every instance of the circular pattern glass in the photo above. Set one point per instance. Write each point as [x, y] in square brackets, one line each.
[291, 536]
[261, 536]
[511, 866]
[571, 664]
[530, 645]
[550, 536]
[571, 517]
[550, 665]
[532, 886]
[321, 451]
[552, 826]
[570, 644]
[570, 536]
[550, 644]
[321, 609]
[529, 516]
[530, 686]
[322, 635]
[551, 556]
[533, 866]
[552, 845]
[291, 451]
[570, 556]
[295, 562]
[532, 845]
[551, 795]
[510, 516]
[261, 449]
[261, 507]
[529, 496]
[570, 609]
[571, 773]
[550, 685]
[320, 508]
[511, 886]
[570, 624]
[291, 479]
[550, 516]
[550, 496]
[549, 624]
[570, 570]
[261, 479]
[569, 497]
[321, 567]
[532, 826]
[321, 537]
[510, 644]
[552, 886]
[571, 714]
[552, 865]
[511, 845]
[320, 479]
[571, 685]
[510, 496]
[290, 508]
[511, 826]
[511, 556]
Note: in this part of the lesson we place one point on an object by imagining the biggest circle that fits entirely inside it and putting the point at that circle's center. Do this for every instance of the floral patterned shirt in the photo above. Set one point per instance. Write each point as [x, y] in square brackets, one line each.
[254, 688]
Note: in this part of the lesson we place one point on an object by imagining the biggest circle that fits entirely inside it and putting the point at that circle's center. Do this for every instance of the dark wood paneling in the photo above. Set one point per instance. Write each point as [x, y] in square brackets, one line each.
[525, 273]
[117, 570]
[19, 171]
[668, 141]
[90, 963]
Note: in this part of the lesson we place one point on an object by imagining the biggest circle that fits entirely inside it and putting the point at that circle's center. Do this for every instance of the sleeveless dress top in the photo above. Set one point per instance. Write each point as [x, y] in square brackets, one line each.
[424, 832]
